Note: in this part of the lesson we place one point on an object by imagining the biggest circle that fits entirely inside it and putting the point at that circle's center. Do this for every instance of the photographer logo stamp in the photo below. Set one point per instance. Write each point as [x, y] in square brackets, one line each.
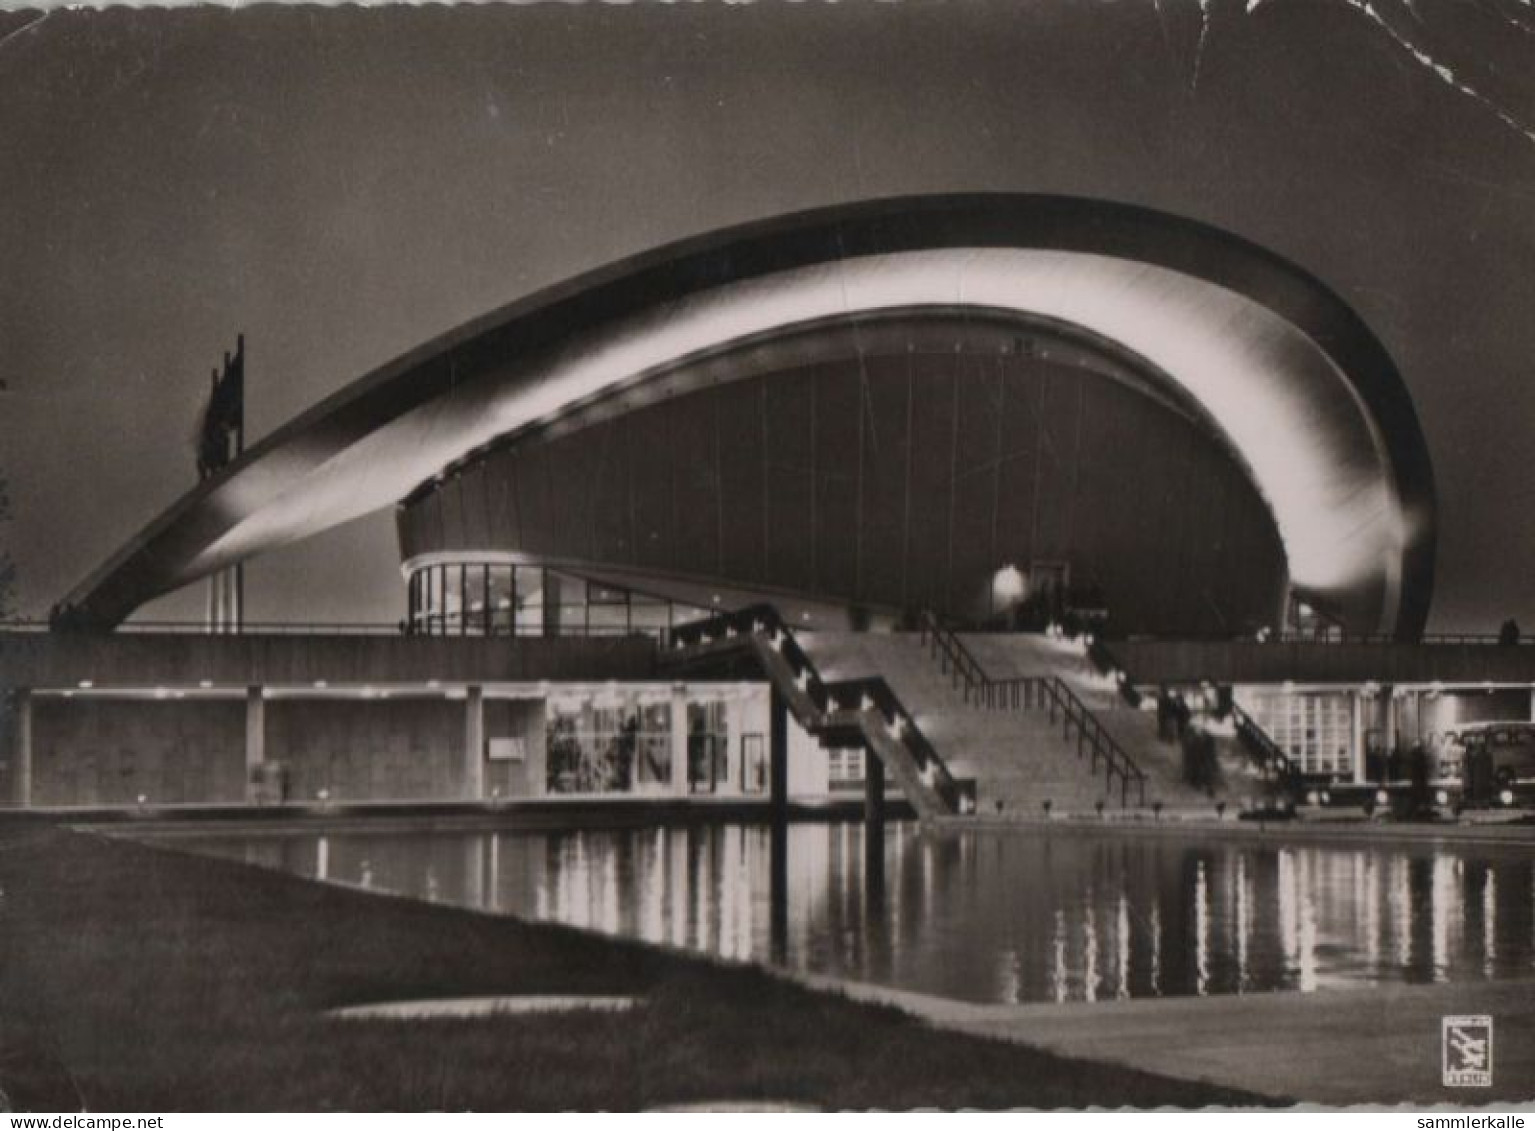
[1466, 1048]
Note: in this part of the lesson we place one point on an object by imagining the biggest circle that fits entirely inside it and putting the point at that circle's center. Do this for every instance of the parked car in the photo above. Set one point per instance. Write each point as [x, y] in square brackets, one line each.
[1509, 748]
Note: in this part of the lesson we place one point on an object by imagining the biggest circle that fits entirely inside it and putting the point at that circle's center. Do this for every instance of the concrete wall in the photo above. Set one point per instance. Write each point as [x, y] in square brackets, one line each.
[369, 750]
[109, 752]
[133, 659]
[94, 749]
[517, 718]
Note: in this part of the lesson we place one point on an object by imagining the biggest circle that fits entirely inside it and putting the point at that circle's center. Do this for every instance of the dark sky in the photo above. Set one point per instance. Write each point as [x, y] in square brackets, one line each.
[342, 184]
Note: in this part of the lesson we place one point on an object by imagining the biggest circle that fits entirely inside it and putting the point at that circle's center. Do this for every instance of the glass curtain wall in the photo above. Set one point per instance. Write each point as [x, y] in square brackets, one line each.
[618, 743]
[1314, 729]
[479, 599]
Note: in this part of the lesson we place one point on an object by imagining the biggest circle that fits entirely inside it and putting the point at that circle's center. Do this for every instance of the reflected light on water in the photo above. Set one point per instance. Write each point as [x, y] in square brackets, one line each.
[1306, 942]
[492, 899]
[1122, 955]
[608, 921]
[1289, 920]
[652, 893]
[676, 895]
[1489, 922]
[1201, 930]
[1244, 921]
[1060, 979]
[1399, 898]
[1089, 951]
[1443, 891]
[1025, 916]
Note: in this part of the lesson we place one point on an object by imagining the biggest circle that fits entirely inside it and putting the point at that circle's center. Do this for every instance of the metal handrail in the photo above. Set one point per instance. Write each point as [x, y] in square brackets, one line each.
[1032, 691]
[952, 655]
[1270, 754]
[871, 693]
[1090, 731]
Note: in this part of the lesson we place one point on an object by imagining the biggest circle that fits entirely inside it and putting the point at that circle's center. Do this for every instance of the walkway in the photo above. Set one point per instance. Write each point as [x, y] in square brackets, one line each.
[1335, 1047]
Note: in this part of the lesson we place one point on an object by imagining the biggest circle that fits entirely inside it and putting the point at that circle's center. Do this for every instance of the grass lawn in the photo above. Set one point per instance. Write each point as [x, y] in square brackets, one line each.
[139, 978]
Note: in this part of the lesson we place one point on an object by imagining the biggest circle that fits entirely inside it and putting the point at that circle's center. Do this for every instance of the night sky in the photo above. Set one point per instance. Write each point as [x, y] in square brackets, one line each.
[342, 184]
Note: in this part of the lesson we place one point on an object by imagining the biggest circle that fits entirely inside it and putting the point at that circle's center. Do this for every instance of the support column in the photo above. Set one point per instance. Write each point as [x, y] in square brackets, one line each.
[873, 831]
[1356, 739]
[873, 791]
[255, 740]
[554, 608]
[22, 756]
[1389, 695]
[474, 743]
[679, 707]
[778, 759]
[778, 847]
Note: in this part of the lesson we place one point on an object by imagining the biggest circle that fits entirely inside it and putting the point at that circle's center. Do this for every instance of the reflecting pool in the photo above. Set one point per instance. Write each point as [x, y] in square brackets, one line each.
[1001, 917]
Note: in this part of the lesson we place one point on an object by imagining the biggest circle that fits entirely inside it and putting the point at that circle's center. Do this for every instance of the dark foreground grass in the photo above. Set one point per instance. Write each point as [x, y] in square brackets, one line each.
[138, 978]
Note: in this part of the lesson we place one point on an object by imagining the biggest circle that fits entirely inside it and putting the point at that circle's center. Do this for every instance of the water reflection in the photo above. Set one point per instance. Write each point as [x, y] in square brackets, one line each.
[1016, 917]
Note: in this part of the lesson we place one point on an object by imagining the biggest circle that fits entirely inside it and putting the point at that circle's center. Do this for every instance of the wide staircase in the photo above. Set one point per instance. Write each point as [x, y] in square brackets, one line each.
[1026, 717]
[1013, 725]
[1135, 731]
[840, 709]
[1253, 769]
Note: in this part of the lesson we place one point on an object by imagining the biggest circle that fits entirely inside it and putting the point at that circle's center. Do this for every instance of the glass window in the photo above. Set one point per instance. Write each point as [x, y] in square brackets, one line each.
[1315, 730]
[607, 610]
[617, 744]
[434, 585]
[453, 598]
[529, 599]
[754, 763]
[708, 747]
[648, 615]
[476, 610]
[844, 768]
[564, 604]
[499, 597]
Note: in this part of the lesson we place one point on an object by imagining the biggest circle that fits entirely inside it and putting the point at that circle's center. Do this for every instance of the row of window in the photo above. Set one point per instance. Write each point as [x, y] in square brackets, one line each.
[627, 748]
[508, 600]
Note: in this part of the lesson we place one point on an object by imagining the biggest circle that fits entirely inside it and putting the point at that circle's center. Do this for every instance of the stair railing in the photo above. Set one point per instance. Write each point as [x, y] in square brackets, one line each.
[954, 659]
[1049, 692]
[1270, 756]
[869, 694]
[1093, 738]
[1035, 691]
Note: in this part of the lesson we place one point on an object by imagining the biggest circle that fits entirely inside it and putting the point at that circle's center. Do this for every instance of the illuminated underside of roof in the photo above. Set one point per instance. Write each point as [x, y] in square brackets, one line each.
[1291, 380]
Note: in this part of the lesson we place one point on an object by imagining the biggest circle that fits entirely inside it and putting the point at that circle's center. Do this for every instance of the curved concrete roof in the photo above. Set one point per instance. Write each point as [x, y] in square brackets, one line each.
[1295, 382]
